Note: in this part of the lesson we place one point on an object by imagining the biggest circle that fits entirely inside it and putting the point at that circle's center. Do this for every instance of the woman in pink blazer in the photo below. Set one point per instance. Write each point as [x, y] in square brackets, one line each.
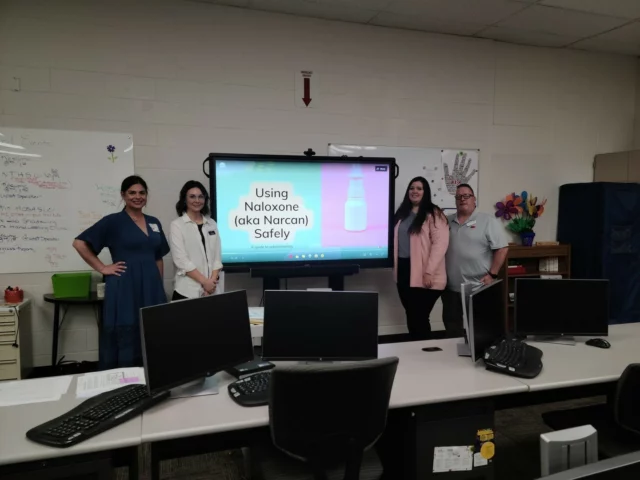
[421, 238]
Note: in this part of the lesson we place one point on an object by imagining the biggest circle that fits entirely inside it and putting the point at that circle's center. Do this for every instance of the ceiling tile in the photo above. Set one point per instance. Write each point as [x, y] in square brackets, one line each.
[597, 44]
[626, 34]
[483, 12]
[426, 24]
[352, 4]
[344, 10]
[560, 22]
[231, 3]
[539, 39]
[629, 9]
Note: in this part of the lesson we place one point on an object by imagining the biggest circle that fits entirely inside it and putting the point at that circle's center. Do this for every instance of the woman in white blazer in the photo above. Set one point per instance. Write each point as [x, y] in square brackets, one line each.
[195, 244]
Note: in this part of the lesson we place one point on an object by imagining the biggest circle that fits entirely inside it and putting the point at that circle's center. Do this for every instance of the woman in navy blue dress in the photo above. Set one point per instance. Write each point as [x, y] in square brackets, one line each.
[134, 279]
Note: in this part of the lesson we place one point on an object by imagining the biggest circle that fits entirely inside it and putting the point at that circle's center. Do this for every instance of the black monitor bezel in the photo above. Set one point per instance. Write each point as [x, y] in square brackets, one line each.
[532, 332]
[317, 359]
[476, 355]
[195, 376]
[386, 262]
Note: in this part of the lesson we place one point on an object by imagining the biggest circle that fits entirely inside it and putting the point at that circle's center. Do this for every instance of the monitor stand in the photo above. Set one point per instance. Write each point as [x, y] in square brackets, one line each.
[197, 388]
[463, 349]
[558, 339]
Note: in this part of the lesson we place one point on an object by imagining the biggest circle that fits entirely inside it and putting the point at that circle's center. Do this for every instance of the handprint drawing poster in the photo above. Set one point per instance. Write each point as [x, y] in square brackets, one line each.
[458, 166]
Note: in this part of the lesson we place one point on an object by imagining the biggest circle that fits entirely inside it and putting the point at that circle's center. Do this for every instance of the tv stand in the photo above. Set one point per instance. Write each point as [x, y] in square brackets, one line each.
[335, 274]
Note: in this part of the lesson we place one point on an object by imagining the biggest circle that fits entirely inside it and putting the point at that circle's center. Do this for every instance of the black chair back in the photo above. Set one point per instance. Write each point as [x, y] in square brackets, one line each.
[627, 405]
[330, 413]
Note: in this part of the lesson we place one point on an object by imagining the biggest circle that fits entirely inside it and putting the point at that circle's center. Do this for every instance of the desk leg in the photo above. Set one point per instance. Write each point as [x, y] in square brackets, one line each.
[128, 457]
[155, 463]
[56, 331]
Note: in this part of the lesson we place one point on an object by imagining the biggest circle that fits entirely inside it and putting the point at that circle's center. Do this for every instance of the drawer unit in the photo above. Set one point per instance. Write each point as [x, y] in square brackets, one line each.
[15, 329]
[7, 327]
[8, 353]
[9, 371]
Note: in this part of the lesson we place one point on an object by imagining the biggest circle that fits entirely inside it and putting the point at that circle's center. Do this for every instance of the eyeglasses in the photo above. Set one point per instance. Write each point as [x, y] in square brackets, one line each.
[196, 197]
[466, 196]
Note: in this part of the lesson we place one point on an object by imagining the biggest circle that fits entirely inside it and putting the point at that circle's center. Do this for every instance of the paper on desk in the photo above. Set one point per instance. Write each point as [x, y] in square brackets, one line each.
[92, 384]
[256, 313]
[452, 459]
[21, 392]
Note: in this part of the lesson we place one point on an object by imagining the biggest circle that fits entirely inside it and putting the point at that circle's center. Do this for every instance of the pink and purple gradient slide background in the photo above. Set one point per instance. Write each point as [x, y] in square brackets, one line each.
[335, 188]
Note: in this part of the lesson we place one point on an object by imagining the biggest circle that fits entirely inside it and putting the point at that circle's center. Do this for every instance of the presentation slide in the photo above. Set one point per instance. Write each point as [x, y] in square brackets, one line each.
[281, 211]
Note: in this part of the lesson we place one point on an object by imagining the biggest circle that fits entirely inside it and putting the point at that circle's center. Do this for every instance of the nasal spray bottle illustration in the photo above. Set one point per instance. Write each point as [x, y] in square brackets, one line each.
[355, 208]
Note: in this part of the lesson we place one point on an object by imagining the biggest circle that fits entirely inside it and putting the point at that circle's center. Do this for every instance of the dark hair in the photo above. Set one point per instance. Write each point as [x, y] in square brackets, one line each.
[426, 207]
[181, 206]
[466, 185]
[132, 180]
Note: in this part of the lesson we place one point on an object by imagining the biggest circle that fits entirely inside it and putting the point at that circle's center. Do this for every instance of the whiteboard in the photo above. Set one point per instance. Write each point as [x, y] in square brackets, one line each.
[444, 169]
[53, 185]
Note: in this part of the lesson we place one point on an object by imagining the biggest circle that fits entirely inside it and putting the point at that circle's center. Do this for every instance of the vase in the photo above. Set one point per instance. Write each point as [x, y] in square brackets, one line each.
[527, 238]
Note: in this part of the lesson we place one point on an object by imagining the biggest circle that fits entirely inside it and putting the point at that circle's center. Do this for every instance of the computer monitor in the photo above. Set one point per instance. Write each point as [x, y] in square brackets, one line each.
[192, 339]
[466, 289]
[486, 318]
[557, 308]
[305, 325]
[622, 467]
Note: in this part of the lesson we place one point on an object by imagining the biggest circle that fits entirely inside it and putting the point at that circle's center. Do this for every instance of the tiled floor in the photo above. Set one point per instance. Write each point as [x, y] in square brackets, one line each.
[517, 454]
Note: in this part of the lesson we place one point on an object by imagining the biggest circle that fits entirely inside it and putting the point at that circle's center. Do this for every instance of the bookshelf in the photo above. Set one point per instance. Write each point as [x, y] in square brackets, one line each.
[529, 259]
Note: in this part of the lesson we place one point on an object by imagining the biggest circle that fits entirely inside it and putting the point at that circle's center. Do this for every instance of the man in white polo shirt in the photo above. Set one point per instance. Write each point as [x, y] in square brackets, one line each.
[477, 250]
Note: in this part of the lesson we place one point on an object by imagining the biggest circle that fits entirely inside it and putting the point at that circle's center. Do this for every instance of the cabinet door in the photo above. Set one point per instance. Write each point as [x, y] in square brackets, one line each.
[621, 251]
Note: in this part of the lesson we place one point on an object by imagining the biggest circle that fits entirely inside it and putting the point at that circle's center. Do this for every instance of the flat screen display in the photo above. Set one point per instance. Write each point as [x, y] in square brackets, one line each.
[296, 210]
[190, 339]
[561, 307]
[486, 313]
[312, 325]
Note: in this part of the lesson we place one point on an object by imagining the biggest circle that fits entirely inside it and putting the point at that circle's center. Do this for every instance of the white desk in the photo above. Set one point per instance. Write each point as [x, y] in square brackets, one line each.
[422, 378]
[573, 366]
[15, 421]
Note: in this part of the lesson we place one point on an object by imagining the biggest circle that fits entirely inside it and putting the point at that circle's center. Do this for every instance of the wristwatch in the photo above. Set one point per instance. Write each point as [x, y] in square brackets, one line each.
[493, 275]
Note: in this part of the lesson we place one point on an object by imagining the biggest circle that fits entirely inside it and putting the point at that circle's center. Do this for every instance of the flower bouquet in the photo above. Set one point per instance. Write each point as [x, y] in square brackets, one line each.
[521, 211]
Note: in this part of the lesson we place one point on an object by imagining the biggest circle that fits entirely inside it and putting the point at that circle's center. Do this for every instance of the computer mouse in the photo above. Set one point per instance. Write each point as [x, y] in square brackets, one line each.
[598, 342]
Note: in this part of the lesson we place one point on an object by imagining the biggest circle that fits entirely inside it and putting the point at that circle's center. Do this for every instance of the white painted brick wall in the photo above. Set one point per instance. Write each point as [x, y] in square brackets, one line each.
[188, 78]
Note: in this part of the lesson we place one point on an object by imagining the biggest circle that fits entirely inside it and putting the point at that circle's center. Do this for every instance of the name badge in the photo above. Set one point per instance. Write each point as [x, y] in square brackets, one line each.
[211, 232]
[472, 224]
[154, 227]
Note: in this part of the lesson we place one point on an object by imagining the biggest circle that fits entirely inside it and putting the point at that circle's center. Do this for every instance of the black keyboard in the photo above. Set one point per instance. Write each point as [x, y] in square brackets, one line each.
[514, 357]
[251, 391]
[94, 416]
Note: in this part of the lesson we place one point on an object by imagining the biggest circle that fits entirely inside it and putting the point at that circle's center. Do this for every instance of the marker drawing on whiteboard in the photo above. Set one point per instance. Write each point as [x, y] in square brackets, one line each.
[112, 157]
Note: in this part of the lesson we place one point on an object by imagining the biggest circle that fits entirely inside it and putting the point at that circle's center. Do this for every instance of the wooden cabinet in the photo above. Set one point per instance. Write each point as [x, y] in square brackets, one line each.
[529, 258]
[16, 359]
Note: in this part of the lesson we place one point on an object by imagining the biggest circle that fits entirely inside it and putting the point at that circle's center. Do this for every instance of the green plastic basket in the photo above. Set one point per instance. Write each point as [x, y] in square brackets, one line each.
[71, 285]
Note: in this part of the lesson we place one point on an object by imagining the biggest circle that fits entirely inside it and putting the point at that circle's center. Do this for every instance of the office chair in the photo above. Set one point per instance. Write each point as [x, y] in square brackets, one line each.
[324, 419]
[618, 423]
